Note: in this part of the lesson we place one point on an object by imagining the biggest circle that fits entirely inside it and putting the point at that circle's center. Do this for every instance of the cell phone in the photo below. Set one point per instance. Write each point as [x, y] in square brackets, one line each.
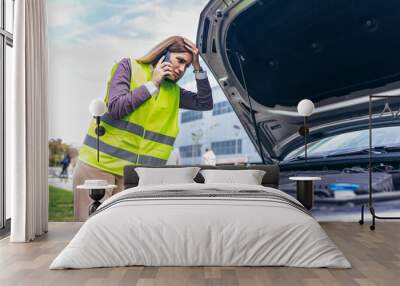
[167, 60]
[167, 57]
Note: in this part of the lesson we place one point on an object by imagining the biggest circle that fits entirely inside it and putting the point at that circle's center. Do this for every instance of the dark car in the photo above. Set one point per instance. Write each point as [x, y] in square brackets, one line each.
[269, 55]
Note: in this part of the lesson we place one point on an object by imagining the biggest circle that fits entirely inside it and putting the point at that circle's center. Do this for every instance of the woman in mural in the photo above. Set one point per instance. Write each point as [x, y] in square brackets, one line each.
[143, 100]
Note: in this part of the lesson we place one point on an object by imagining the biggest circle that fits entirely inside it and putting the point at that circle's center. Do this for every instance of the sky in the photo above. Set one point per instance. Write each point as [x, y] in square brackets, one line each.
[87, 37]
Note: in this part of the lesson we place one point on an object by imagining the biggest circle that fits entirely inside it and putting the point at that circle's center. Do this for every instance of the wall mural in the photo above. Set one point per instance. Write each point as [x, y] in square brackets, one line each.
[249, 99]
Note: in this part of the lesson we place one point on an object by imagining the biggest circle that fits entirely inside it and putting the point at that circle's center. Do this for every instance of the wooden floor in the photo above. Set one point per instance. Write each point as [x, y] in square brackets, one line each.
[375, 257]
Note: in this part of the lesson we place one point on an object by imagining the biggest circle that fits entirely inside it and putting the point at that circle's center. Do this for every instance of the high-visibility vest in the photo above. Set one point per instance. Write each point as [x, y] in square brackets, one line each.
[145, 136]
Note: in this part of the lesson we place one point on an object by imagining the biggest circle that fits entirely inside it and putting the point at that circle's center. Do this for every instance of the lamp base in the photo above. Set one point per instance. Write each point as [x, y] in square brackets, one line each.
[96, 195]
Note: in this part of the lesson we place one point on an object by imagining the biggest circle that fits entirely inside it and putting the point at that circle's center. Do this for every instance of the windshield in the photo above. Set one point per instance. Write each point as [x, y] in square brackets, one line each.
[348, 142]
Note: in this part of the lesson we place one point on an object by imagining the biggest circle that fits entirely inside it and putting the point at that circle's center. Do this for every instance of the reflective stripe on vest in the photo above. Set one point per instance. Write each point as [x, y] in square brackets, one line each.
[122, 124]
[110, 150]
[122, 154]
[137, 130]
[160, 138]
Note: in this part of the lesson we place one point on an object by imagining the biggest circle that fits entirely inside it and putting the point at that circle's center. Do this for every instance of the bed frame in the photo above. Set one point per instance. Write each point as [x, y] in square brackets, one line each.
[270, 179]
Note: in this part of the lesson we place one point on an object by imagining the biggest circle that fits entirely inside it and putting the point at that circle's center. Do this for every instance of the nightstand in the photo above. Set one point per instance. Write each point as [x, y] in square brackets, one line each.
[305, 190]
[97, 190]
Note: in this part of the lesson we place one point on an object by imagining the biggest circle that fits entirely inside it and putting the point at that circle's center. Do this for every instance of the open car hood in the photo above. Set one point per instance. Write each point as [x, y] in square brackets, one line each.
[334, 53]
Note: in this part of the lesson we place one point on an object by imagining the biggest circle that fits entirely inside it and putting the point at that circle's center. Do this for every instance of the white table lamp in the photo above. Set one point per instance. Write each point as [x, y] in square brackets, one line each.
[305, 108]
[97, 108]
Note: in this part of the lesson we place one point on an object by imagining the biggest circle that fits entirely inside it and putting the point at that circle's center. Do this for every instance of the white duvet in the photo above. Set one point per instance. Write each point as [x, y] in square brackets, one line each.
[200, 231]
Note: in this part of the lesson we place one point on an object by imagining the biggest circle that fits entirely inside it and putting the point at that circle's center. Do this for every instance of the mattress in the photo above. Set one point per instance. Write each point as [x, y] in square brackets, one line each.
[201, 225]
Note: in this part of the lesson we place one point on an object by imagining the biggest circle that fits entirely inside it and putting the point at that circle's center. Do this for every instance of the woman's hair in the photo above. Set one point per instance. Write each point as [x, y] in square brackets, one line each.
[173, 44]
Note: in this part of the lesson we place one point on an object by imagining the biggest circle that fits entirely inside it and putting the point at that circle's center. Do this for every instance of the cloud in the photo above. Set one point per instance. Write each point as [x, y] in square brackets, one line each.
[63, 14]
[82, 21]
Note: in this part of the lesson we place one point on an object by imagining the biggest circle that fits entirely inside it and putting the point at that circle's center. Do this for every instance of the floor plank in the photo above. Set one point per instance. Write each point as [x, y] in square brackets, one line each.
[374, 255]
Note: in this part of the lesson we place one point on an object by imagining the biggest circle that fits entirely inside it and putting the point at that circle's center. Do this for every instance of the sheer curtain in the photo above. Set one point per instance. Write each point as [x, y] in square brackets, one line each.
[26, 123]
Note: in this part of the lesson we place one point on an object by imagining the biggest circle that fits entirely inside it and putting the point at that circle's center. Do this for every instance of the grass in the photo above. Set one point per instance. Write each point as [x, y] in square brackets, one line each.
[61, 204]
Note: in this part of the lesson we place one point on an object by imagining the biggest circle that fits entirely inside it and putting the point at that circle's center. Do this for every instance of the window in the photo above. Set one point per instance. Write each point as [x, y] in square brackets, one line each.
[221, 108]
[227, 147]
[6, 43]
[190, 151]
[9, 17]
[188, 116]
[239, 146]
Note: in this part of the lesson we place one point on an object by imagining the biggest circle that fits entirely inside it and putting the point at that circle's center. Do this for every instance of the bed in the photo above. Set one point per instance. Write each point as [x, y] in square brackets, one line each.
[198, 224]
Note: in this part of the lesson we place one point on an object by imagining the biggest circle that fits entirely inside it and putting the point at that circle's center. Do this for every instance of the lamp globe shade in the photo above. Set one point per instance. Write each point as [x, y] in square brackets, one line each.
[97, 107]
[305, 107]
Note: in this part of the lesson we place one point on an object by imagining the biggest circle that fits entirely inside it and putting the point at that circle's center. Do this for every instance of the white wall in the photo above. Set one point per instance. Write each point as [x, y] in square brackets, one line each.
[216, 128]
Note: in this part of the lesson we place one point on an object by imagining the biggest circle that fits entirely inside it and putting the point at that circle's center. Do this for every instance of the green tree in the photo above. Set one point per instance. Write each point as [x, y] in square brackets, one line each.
[57, 149]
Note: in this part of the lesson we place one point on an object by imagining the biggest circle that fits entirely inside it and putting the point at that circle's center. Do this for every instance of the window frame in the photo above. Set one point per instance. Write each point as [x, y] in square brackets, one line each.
[190, 116]
[222, 107]
[190, 151]
[220, 148]
[6, 39]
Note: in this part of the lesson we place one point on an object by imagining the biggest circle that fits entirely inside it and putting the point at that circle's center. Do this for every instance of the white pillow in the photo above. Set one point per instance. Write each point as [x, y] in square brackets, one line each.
[249, 177]
[162, 176]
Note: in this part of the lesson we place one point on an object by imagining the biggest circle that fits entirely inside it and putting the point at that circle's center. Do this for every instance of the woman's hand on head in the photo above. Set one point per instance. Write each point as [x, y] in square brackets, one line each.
[195, 51]
[160, 71]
